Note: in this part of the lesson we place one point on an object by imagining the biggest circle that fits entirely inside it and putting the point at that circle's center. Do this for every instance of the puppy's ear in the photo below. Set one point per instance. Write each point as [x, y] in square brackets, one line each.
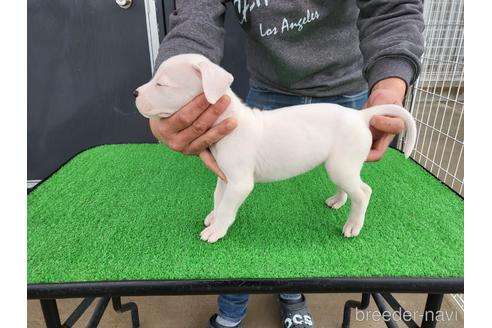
[215, 80]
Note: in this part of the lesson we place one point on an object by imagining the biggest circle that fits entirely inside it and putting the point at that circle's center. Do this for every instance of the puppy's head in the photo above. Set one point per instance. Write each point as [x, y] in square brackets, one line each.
[177, 81]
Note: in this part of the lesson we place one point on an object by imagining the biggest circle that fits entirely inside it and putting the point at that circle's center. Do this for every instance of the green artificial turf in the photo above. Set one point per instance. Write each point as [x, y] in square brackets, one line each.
[135, 212]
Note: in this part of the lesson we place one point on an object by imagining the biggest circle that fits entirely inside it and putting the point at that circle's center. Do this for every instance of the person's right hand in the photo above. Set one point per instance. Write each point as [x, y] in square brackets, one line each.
[189, 130]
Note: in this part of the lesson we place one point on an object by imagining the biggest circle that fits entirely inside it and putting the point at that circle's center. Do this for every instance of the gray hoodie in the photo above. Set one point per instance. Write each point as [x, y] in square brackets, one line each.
[307, 47]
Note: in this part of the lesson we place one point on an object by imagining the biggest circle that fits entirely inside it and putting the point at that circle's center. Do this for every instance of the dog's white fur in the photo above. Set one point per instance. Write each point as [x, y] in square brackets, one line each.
[271, 145]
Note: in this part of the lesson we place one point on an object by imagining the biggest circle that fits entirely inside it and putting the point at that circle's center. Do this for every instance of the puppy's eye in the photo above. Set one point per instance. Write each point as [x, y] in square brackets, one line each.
[161, 85]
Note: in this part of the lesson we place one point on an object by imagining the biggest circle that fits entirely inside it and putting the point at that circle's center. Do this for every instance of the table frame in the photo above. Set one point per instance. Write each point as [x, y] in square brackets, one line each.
[380, 289]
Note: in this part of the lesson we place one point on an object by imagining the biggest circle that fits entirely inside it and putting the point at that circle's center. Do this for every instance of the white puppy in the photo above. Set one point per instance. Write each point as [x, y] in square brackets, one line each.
[271, 145]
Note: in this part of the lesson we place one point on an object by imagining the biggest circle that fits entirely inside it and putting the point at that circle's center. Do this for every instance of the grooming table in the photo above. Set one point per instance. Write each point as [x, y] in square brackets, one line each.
[124, 220]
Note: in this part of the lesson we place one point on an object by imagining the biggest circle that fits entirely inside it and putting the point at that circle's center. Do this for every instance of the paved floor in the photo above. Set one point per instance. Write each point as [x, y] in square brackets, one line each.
[194, 311]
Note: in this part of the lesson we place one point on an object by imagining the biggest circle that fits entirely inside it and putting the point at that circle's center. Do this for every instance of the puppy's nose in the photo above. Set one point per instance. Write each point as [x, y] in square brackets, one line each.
[135, 93]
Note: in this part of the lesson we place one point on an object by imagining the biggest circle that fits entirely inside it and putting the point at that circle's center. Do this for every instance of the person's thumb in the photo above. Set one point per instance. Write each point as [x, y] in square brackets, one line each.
[391, 125]
[209, 161]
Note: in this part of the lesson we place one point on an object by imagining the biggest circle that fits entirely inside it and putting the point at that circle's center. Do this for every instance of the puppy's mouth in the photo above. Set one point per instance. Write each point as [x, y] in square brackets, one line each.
[159, 115]
[145, 115]
[149, 113]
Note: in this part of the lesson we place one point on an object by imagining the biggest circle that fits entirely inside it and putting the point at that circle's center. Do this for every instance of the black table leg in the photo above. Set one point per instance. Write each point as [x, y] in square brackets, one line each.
[383, 309]
[98, 312]
[78, 312]
[50, 313]
[52, 317]
[432, 306]
[349, 305]
[130, 306]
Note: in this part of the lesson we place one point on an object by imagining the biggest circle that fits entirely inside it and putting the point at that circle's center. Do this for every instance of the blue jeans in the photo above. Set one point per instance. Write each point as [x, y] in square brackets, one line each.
[232, 307]
[267, 100]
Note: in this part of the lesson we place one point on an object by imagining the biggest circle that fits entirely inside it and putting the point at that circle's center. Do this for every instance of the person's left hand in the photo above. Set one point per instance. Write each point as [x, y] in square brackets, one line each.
[384, 128]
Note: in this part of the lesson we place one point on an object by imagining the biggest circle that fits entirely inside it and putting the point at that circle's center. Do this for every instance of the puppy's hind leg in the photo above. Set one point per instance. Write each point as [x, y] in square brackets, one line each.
[338, 200]
[346, 175]
[234, 195]
[219, 192]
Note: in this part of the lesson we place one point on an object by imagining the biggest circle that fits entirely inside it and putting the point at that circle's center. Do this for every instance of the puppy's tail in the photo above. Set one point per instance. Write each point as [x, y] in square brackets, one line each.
[396, 111]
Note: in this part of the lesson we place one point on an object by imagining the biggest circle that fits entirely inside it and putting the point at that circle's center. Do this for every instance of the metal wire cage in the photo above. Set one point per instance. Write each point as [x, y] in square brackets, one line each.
[436, 100]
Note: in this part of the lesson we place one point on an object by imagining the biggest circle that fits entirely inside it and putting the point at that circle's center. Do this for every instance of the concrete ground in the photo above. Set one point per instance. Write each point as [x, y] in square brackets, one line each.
[194, 311]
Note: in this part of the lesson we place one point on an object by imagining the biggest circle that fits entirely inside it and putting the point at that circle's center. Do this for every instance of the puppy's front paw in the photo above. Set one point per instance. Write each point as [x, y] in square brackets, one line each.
[213, 233]
[336, 201]
[352, 228]
[210, 219]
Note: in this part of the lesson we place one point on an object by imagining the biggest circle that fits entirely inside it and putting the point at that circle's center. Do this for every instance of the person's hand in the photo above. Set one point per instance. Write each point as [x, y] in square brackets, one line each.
[384, 128]
[189, 130]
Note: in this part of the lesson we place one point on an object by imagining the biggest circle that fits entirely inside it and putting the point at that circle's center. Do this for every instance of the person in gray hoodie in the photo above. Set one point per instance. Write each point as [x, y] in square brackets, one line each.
[358, 53]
